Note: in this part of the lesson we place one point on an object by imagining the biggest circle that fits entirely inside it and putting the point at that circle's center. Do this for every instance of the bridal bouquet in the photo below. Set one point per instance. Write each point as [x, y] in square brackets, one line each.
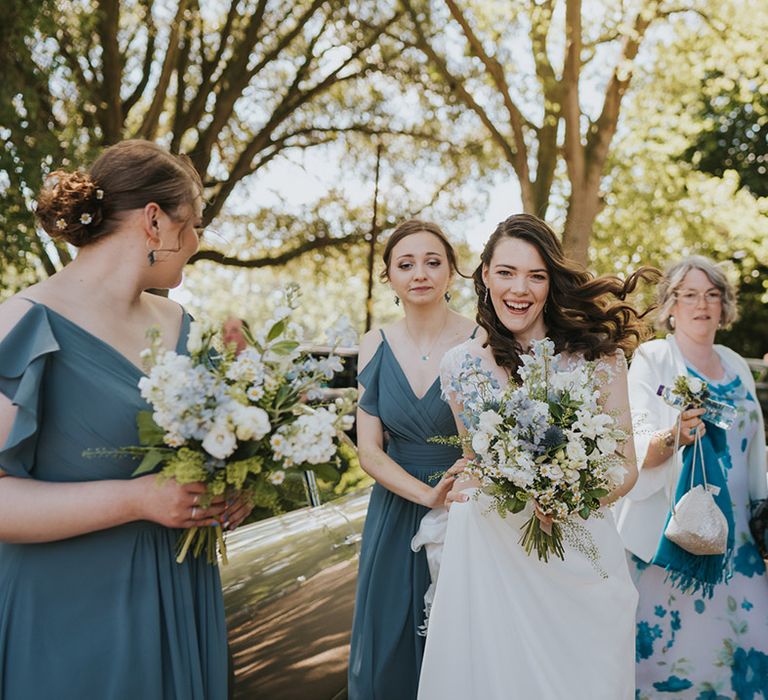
[238, 423]
[547, 440]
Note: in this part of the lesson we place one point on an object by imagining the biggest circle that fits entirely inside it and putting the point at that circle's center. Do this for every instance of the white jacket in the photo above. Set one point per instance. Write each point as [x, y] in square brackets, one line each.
[642, 513]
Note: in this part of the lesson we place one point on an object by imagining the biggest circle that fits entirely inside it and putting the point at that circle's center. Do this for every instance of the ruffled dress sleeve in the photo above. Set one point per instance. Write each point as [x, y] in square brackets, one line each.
[24, 354]
[369, 379]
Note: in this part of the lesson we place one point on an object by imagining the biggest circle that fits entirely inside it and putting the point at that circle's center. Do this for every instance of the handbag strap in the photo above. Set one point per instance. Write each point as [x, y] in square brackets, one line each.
[676, 472]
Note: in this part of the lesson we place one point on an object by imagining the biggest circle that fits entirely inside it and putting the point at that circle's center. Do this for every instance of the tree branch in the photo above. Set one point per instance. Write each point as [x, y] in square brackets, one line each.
[548, 149]
[456, 85]
[291, 102]
[182, 62]
[236, 77]
[275, 260]
[152, 117]
[516, 118]
[149, 53]
[109, 107]
[604, 128]
[208, 68]
[574, 150]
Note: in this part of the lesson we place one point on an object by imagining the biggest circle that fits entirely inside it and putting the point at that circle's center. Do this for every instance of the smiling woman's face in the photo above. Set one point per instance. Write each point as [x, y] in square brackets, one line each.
[518, 282]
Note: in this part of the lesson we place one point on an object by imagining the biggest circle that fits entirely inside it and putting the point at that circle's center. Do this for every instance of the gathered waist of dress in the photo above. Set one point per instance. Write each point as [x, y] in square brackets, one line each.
[425, 456]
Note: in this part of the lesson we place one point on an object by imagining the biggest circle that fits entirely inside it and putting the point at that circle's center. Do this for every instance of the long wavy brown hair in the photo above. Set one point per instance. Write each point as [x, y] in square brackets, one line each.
[583, 313]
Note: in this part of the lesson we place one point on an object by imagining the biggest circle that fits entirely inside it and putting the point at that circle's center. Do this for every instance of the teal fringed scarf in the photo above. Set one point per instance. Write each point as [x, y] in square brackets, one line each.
[690, 572]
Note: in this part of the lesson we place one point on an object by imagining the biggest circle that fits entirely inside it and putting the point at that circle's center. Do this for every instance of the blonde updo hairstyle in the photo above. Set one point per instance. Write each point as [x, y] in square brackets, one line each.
[672, 281]
[82, 207]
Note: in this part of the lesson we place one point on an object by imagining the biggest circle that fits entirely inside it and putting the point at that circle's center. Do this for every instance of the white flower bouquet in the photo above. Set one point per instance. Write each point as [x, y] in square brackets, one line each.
[238, 423]
[546, 439]
[691, 392]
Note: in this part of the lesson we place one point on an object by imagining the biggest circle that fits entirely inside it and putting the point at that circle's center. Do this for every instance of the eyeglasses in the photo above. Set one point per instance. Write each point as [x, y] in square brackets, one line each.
[691, 298]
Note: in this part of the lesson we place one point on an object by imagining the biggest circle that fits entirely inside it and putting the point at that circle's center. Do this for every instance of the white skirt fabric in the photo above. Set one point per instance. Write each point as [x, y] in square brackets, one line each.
[505, 626]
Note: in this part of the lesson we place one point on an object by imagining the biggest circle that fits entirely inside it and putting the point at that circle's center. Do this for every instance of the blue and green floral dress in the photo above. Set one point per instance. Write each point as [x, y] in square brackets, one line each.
[690, 647]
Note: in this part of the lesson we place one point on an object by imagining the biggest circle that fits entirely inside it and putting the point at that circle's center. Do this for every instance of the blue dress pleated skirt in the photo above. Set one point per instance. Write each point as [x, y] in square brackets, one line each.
[386, 647]
[108, 615]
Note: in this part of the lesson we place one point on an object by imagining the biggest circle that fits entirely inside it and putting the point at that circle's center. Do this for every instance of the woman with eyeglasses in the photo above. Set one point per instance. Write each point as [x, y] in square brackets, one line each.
[701, 621]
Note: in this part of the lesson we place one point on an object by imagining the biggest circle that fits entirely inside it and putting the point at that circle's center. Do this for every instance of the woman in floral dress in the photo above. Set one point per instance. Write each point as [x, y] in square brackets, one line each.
[696, 639]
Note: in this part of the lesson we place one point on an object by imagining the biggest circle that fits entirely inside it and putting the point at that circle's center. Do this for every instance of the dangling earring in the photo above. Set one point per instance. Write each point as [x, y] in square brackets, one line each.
[671, 322]
[151, 255]
[485, 298]
[545, 307]
[397, 300]
[447, 296]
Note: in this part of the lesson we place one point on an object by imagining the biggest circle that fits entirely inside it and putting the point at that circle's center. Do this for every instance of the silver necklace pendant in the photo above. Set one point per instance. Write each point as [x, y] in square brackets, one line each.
[424, 358]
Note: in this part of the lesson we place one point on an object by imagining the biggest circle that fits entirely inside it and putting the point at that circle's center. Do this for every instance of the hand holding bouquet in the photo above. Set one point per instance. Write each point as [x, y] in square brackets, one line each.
[546, 440]
[237, 423]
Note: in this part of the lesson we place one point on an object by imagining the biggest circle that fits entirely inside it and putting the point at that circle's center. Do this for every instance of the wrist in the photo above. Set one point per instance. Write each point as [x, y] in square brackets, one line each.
[135, 499]
[424, 496]
[667, 439]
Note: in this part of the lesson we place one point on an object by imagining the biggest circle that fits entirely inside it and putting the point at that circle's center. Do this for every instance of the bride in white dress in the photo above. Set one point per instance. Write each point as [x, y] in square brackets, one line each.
[504, 625]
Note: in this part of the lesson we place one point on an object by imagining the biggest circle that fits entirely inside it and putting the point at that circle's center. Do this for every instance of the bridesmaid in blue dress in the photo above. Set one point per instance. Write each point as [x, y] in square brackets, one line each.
[400, 407]
[92, 602]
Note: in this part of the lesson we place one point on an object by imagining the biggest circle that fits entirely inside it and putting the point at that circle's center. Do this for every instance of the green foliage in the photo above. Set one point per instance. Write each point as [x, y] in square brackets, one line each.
[238, 86]
[658, 205]
[736, 133]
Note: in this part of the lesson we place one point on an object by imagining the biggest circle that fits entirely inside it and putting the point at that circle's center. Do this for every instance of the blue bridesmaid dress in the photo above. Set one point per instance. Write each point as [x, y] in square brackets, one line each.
[109, 614]
[386, 647]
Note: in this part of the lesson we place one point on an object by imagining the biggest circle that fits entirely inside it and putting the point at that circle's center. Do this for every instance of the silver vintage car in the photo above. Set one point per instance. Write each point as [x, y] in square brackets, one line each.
[289, 592]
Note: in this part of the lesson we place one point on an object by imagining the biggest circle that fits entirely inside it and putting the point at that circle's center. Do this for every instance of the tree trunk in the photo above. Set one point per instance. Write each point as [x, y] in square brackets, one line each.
[583, 207]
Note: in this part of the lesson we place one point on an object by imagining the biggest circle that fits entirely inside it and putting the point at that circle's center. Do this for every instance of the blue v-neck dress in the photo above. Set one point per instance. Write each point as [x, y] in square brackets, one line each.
[109, 614]
[386, 647]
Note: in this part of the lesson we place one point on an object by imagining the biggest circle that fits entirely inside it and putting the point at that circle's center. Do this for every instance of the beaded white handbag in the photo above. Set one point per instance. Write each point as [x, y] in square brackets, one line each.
[697, 524]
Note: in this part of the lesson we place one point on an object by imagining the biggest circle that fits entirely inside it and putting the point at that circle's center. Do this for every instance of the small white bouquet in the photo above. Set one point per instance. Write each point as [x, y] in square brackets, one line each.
[691, 392]
[238, 422]
[546, 439]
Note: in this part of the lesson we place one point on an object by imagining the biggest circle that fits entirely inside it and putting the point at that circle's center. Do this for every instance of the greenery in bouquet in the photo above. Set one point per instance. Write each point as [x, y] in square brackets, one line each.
[546, 440]
[244, 424]
[690, 391]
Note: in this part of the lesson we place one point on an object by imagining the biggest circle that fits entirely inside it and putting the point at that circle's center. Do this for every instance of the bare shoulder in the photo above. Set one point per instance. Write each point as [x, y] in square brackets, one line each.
[163, 306]
[11, 312]
[369, 343]
[463, 325]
